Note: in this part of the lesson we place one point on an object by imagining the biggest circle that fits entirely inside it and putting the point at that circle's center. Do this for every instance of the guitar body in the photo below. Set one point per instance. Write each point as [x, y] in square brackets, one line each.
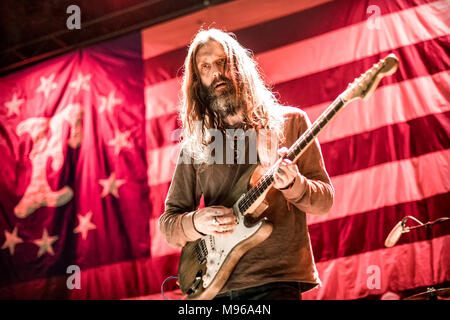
[206, 264]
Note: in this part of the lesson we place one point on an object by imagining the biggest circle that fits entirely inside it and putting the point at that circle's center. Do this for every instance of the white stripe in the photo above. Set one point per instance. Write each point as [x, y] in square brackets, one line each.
[159, 246]
[162, 98]
[161, 163]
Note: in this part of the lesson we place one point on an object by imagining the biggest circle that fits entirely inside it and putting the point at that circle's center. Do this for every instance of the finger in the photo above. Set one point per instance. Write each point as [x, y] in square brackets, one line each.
[214, 221]
[222, 234]
[289, 167]
[223, 231]
[287, 161]
[217, 212]
[282, 152]
[220, 211]
[225, 220]
[227, 227]
[289, 171]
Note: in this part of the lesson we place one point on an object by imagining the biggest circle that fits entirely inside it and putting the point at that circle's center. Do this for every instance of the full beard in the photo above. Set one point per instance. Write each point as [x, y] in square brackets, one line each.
[223, 102]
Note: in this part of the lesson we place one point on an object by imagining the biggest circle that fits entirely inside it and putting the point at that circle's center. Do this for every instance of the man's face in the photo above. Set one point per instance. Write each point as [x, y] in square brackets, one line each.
[215, 77]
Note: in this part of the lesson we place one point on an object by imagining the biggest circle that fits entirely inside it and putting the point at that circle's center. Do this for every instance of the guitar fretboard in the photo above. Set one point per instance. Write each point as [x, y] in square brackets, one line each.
[294, 152]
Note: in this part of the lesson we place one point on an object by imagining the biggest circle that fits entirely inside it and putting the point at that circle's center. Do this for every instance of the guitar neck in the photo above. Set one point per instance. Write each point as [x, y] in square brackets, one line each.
[299, 146]
[294, 152]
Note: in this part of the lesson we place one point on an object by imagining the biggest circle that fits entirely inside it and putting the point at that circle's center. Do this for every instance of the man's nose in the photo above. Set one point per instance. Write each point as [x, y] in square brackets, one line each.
[216, 75]
[217, 72]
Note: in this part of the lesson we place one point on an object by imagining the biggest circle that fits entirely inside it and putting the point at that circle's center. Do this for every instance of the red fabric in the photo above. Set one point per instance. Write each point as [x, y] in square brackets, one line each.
[74, 175]
[387, 157]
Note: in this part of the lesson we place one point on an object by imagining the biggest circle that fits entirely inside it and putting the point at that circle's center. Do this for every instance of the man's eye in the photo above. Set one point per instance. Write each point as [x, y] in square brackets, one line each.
[205, 67]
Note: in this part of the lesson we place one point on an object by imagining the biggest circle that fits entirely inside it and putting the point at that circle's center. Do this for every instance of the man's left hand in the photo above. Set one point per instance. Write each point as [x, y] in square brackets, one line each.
[286, 172]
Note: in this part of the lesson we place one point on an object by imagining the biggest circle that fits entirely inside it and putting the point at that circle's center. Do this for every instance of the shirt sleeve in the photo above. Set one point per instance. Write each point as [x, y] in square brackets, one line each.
[176, 223]
[312, 190]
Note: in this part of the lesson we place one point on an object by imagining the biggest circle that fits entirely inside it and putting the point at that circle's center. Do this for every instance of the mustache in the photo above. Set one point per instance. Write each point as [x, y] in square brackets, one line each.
[221, 79]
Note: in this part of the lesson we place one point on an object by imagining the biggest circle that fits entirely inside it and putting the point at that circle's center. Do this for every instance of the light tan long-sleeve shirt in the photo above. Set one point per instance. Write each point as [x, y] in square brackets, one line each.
[286, 255]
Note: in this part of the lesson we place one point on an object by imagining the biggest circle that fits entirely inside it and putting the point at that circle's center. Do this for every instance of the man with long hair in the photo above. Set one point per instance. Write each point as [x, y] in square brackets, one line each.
[222, 91]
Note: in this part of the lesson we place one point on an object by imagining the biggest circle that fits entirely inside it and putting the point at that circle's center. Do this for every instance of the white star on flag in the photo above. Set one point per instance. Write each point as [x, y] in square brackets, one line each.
[45, 243]
[120, 141]
[82, 82]
[13, 105]
[11, 240]
[111, 185]
[108, 103]
[47, 85]
[84, 225]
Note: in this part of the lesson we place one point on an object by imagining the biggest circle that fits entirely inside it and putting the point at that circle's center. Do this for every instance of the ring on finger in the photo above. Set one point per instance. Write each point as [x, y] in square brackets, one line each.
[216, 222]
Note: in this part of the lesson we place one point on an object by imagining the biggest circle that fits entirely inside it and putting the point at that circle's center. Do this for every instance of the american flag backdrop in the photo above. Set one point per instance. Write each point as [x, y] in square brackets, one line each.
[88, 143]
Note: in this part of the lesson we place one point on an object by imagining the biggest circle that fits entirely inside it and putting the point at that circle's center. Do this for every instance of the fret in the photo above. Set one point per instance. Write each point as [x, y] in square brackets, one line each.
[315, 132]
[329, 115]
[309, 138]
[303, 144]
[323, 122]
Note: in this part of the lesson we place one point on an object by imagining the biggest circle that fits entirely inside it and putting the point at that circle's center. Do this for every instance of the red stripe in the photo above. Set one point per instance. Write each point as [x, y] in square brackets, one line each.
[389, 143]
[400, 268]
[296, 27]
[114, 281]
[158, 195]
[328, 84]
[367, 231]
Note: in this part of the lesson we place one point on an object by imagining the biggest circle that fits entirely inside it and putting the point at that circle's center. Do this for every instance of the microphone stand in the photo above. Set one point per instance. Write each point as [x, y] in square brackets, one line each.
[427, 224]
[430, 290]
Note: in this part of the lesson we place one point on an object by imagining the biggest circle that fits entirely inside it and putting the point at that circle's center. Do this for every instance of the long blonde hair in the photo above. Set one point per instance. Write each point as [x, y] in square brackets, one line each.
[261, 108]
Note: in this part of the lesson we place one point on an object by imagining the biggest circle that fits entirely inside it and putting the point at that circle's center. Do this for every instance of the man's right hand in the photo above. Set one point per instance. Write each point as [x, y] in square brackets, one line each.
[215, 220]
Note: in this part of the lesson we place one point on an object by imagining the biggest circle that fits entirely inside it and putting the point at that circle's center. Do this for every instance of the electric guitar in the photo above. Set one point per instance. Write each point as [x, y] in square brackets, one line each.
[206, 264]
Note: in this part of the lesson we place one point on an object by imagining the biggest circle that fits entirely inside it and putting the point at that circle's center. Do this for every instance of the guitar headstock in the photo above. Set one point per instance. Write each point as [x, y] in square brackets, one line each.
[365, 85]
